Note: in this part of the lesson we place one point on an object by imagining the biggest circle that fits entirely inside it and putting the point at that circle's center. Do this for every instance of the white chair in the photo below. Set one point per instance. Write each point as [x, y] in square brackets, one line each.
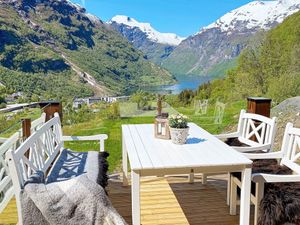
[257, 137]
[256, 132]
[288, 156]
[201, 107]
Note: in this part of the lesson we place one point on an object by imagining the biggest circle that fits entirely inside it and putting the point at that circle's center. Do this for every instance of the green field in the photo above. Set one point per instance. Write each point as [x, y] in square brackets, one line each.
[11, 122]
[111, 127]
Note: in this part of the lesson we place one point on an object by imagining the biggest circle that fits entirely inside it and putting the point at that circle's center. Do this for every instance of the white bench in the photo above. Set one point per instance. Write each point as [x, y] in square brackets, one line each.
[48, 155]
[12, 143]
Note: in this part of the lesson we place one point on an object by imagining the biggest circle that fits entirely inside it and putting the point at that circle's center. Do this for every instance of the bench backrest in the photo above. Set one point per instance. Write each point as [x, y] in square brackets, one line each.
[37, 153]
[12, 143]
[256, 128]
[291, 148]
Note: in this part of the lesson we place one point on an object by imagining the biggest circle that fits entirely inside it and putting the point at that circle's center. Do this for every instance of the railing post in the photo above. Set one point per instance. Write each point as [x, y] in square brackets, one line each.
[259, 105]
[26, 132]
[26, 128]
[50, 108]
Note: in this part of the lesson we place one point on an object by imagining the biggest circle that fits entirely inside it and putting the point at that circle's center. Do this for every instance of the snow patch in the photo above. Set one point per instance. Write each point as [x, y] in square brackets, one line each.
[152, 34]
[256, 14]
[93, 18]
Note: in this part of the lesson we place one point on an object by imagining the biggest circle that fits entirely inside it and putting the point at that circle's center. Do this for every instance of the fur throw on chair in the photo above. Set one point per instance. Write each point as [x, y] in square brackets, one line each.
[280, 204]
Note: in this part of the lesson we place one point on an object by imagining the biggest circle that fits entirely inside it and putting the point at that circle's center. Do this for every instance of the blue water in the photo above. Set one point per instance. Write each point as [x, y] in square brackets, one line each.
[184, 82]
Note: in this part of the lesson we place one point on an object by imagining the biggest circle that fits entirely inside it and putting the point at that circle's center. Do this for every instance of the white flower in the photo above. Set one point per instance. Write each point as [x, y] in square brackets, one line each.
[179, 121]
[178, 117]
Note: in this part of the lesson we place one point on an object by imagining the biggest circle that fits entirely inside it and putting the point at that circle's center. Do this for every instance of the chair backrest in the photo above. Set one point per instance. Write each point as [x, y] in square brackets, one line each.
[291, 148]
[12, 143]
[256, 129]
[36, 153]
[201, 106]
[219, 112]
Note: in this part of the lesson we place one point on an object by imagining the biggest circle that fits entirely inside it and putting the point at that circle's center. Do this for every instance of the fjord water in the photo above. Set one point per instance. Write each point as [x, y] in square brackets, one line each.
[191, 82]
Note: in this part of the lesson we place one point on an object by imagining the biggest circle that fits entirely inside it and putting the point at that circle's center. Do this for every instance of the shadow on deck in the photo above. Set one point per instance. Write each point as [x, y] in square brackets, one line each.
[170, 200]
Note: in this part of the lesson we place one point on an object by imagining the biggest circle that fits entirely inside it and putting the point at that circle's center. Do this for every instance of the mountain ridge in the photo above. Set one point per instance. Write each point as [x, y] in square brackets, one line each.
[151, 33]
[145, 38]
[222, 41]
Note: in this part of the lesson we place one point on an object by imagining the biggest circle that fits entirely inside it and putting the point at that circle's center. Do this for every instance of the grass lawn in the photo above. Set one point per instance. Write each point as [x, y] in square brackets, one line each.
[113, 129]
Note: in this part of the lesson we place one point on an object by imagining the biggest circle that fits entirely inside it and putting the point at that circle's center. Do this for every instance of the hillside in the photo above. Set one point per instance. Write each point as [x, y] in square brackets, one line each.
[54, 48]
[270, 68]
[216, 47]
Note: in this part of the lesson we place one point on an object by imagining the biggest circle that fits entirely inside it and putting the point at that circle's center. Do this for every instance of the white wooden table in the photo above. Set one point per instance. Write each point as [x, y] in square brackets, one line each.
[203, 153]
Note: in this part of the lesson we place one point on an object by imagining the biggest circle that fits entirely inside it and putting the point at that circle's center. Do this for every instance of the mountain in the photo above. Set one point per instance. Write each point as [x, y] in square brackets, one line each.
[53, 48]
[269, 68]
[143, 36]
[215, 48]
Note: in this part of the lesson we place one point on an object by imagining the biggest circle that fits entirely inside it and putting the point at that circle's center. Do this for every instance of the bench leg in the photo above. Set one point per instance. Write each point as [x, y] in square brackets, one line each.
[204, 178]
[191, 177]
[135, 197]
[259, 193]
[124, 164]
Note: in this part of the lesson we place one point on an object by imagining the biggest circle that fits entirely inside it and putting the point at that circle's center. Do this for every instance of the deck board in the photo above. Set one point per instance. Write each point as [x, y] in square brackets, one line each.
[166, 201]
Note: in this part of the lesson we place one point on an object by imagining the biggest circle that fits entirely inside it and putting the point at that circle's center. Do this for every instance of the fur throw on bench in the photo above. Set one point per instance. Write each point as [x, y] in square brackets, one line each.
[75, 201]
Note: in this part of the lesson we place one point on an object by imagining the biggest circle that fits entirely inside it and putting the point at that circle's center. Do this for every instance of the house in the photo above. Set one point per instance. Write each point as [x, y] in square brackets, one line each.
[78, 102]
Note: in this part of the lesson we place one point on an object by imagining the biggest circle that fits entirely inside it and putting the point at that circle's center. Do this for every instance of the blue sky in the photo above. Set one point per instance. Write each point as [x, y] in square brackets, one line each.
[183, 17]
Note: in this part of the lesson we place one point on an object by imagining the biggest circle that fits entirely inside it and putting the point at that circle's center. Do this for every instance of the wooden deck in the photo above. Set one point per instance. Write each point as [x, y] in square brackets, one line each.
[166, 201]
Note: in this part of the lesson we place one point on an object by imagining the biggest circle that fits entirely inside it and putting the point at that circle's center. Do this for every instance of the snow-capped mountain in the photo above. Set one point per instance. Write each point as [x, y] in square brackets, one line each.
[256, 15]
[152, 34]
[215, 47]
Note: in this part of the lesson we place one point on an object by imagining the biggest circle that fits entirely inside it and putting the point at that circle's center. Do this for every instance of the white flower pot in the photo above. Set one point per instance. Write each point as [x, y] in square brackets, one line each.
[179, 135]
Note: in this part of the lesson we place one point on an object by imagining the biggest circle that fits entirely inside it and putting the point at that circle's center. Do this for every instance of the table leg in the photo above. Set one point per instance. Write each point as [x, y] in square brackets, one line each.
[124, 164]
[245, 197]
[135, 197]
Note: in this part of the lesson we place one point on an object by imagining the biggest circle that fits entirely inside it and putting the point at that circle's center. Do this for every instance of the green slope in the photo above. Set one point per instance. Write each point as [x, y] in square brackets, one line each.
[38, 38]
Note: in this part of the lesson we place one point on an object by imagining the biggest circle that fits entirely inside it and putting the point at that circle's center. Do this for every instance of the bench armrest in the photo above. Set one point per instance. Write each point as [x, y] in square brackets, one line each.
[229, 135]
[268, 155]
[99, 137]
[253, 148]
[272, 178]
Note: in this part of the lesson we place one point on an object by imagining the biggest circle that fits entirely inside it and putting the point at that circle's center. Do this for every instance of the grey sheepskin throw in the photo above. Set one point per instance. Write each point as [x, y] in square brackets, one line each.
[75, 201]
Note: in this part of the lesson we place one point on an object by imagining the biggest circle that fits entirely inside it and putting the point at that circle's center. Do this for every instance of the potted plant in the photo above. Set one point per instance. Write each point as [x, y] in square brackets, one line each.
[179, 129]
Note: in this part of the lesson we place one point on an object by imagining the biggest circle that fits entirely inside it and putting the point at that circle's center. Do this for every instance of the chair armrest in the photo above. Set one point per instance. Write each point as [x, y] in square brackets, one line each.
[252, 148]
[229, 135]
[273, 178]
[99, 137]
[268, 155]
